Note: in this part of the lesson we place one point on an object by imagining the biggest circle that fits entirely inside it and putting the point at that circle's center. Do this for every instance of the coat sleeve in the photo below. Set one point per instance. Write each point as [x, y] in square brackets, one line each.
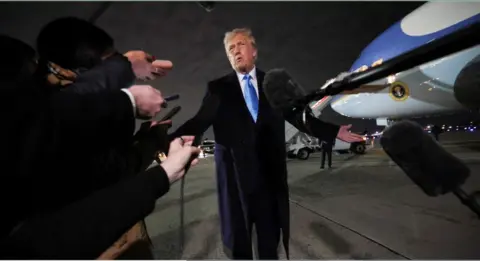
[204, 117]
[93, 118]
[146, 145]
[114, 73]
[88, 227]
[93, 109]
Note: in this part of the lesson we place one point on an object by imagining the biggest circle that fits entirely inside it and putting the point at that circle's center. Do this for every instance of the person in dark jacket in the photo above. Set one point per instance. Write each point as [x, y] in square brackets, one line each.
[84, 229]
[436, 131]
[38, 141]
[249, 153]
[64, 58]
[327, 147]
[18, 63]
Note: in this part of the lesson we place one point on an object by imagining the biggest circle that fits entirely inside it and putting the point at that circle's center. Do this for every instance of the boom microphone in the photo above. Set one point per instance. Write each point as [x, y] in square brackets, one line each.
[287, 97]
[282, 92]
[426, 163]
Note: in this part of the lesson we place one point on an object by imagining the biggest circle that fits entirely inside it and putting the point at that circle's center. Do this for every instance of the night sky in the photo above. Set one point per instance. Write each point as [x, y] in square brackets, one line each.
[314, 41]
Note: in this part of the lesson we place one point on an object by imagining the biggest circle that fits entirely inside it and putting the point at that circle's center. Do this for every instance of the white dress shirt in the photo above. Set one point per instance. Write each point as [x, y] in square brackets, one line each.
[243, 82]
[132, 100]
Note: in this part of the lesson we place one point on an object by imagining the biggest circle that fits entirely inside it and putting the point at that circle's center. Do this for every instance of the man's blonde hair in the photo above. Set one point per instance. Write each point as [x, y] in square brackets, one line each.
[243, 31]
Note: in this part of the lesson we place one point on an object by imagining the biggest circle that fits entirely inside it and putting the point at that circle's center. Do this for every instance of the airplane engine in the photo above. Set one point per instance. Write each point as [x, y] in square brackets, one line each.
[467, 85]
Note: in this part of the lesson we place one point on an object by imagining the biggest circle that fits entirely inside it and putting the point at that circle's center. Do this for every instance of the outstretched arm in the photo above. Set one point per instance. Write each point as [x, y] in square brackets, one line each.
[204, 117]
[114, 73]
[88, 227]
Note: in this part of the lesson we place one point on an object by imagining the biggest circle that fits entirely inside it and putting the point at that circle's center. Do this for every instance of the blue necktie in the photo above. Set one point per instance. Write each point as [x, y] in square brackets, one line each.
[251, 97]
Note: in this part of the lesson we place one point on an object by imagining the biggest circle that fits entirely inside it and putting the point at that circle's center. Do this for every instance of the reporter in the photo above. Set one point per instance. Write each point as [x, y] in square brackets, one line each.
[95, 225]
[128, 156]
[50, 133]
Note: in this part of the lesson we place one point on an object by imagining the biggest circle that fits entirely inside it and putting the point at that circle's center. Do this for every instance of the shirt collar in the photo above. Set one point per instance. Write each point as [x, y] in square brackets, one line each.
[252, 73]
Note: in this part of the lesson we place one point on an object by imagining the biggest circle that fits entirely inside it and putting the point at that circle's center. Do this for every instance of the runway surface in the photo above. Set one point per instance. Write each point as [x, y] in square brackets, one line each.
[364, 208]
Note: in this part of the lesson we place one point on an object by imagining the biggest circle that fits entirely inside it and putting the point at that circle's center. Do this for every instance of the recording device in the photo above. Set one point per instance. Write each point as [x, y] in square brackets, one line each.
[170, 98]
[426, 163]
[171, 113]
[197, 141]
[163, 140]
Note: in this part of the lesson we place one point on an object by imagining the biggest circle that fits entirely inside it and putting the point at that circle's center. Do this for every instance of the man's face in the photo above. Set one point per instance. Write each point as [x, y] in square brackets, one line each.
[241, 53]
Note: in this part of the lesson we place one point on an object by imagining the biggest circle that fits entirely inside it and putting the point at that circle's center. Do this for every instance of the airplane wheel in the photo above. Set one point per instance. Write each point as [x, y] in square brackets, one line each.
[303, 154]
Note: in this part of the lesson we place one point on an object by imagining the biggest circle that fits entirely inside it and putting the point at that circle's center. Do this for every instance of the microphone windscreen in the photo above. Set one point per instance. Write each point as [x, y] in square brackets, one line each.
[422, 158]
[281, 90]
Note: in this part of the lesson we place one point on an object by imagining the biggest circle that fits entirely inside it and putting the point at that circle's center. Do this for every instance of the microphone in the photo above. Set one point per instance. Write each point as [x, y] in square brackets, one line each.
[426, 163]
[282, 92]
[290, 99]
[170, 98]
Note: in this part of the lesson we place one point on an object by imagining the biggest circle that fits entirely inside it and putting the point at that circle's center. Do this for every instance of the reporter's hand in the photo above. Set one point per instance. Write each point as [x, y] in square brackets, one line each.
[179, 155]
[161, 67]
[147, 99]
[145, 67]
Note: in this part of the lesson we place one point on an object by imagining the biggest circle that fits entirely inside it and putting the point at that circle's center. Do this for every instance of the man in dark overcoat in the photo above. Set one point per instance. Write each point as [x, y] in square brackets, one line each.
[250, 153]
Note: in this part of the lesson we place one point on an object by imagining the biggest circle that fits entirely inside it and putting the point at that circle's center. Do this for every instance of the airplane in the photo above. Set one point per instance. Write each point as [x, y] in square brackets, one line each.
[426, 90]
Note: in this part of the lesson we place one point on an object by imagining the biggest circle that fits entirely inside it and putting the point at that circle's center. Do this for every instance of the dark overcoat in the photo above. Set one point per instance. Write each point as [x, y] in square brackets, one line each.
[249, 155]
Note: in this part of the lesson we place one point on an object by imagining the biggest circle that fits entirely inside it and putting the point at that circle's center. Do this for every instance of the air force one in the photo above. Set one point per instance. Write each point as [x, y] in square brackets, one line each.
[422, 91]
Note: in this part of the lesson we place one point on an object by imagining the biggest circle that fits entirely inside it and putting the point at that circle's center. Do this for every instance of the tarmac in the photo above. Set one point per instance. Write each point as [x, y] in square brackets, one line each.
[363, 208]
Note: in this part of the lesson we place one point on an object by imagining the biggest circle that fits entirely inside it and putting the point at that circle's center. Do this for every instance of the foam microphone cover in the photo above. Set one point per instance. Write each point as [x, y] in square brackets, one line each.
[422, 158]
[281, 91]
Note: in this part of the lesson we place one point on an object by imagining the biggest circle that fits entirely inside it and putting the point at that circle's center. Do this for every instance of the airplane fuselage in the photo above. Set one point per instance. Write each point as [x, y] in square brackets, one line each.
[421, 91]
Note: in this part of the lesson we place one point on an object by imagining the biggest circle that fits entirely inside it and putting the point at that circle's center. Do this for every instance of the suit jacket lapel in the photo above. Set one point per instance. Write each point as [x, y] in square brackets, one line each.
[261, 96]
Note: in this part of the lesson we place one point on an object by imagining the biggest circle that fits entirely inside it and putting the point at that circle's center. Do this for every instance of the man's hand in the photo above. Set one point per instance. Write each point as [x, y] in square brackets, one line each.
[147, 99]
[179, 155]
[345, 135]
[146, 67]
[162, 67]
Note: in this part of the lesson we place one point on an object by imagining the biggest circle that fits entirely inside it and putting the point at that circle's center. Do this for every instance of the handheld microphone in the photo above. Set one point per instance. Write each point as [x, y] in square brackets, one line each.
[426, 163]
